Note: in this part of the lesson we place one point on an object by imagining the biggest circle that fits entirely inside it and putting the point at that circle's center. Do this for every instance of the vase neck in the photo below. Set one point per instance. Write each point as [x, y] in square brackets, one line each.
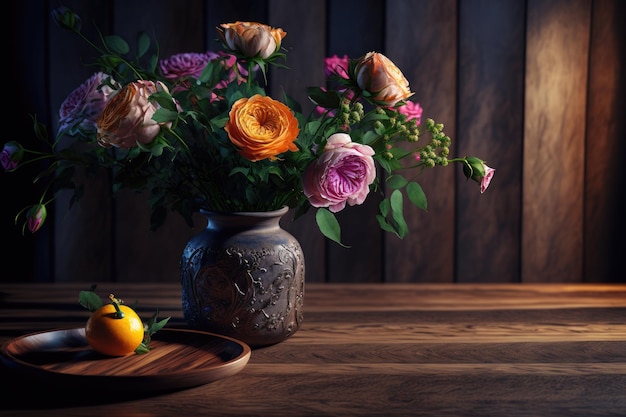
[244, 220]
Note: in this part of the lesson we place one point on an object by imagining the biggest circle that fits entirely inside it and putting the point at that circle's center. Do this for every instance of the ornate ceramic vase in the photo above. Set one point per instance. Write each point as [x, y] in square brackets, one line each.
[243, 277]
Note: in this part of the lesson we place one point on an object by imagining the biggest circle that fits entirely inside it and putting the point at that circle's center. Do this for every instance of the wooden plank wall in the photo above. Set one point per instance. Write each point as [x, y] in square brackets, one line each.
[535, 87]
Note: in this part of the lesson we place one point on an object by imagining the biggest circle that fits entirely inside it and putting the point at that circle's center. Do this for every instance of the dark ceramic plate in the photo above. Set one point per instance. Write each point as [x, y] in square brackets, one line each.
[178, 359]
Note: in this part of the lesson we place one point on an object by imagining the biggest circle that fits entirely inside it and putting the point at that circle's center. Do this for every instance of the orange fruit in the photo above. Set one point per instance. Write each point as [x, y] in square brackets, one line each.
[112, 335]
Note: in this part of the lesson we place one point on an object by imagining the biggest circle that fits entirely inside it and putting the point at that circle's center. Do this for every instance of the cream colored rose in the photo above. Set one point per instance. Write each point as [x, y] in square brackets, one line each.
[376, 74]
[252, 39]
[127, 118]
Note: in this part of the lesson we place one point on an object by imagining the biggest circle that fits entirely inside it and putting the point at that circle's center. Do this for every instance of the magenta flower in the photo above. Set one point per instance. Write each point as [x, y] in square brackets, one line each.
[188, 64]
[229, 63]
[191, 64]
[412, 111]
[337, 65]
[476, 169]
[486, 179]
[11, 155]
[80, 110]
[341, 174]
[35, 217]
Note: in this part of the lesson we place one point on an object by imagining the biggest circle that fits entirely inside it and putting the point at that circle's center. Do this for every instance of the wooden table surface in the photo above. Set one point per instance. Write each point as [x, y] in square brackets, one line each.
[371, 350]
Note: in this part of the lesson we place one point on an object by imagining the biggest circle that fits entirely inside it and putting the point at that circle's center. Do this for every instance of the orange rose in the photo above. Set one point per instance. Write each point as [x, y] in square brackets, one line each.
[261, 127]
[252, 39]
[379, 76]
[127, 118]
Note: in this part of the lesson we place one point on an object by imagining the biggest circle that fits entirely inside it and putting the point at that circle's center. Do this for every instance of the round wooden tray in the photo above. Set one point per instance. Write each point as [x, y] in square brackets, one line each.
[178, 359]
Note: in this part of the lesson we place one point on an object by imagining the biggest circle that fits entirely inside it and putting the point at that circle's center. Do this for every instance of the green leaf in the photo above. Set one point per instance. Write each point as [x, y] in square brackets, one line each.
[90, 300]
[382, 222]
[384, 207]
[327, 99]
[329, 226]
[397, 215]
[396, 181]
[369, 137]
[163, 115]
[142, 348]
[152, 326]
[143, 44]
[117, 44]
[416, 195]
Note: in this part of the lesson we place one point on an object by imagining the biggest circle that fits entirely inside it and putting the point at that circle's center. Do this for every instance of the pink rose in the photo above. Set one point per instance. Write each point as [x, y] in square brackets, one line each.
[127, 118]
[11, 155]
[80, 110]
[341, 174]
[411, 111]
[376, 74]
[336, 65]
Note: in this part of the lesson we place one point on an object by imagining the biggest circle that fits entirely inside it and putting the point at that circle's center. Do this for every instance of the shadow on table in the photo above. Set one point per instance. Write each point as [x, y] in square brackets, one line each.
[20, 392]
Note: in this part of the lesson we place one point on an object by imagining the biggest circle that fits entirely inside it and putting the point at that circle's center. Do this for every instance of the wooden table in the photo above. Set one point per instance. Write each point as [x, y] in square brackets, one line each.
[373, 350]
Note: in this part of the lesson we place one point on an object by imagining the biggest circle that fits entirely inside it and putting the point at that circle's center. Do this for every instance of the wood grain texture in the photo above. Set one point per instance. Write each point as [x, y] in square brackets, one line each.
[132, 211]
[178, 359]
[25, 89]
[305, 45]
[491, 93]
[556, 70]
[376, 350]
[605, 225]
[423, 43]
[536, 88]
[91, 220]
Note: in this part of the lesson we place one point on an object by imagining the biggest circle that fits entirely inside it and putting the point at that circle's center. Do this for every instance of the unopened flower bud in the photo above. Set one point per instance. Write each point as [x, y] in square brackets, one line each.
[476, 169]
[11, 155]
[35, 217]
[252, 39]
[66, 18]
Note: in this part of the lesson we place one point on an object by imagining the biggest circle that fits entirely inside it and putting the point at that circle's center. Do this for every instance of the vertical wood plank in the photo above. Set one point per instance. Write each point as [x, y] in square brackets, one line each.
[82, 235]
[305, 43]
[491, 109]
[556, 56]
[554, 211]
[25, 257]
[141, 254]
[422, 40]
[605, 224]
[362, 260]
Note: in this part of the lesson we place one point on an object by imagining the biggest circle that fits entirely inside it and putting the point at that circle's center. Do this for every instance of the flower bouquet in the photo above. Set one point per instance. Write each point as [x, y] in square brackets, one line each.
[198, 131]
